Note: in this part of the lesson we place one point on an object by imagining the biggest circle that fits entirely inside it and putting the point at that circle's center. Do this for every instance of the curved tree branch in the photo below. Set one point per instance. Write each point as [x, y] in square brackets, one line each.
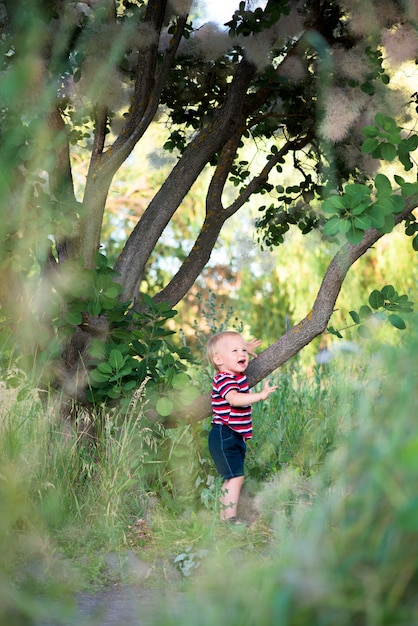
[104, 164]
[305, 331]
[216, 216]
[61, 184]
[148, 230]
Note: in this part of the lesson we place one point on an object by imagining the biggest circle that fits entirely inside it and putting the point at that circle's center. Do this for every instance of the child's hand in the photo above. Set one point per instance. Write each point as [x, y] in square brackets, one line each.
[267, 390]
[252, 345]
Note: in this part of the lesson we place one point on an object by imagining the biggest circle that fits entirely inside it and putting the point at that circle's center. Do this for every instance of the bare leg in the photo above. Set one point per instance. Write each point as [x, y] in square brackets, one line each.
[231, 490]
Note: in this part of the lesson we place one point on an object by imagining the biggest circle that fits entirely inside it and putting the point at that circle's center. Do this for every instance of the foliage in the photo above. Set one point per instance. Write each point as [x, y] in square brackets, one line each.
[281, 90]
[340, 536]
[354, 211]
[384, 141]
[85, 81]
[136, 349]
[189, 561]
[319, 461]
[385, 304]
[294, 428]
[134, 346]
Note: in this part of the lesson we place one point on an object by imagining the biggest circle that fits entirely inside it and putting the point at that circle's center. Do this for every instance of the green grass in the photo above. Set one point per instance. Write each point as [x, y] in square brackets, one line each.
[343, 549]
[330, 488]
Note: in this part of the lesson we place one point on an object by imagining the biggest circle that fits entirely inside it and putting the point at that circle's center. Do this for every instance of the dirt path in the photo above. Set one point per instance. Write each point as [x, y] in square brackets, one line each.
[122, 605]
[117, 606]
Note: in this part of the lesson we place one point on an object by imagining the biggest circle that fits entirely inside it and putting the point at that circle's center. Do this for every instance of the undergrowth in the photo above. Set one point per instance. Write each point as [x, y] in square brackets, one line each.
[328, 499]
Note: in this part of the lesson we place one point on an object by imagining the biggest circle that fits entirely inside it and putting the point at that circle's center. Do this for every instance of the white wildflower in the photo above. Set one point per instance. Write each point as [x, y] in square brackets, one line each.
[257, 49]
[400, 44]
[341, 111]
[213, 42]
[293, 69]
[181, 7]
[353, 64]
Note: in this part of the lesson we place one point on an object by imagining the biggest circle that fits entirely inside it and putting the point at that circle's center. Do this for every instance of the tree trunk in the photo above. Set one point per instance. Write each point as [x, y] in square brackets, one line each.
[312, 325]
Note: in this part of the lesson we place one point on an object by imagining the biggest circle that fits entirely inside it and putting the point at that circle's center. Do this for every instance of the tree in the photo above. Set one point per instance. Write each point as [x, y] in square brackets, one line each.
[308, 83]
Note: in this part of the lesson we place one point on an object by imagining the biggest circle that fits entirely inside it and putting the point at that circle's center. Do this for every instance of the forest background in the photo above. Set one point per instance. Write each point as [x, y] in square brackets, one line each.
[331, 471]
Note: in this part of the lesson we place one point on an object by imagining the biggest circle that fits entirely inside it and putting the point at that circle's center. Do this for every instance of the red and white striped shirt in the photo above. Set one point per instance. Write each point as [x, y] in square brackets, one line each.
[238, 418]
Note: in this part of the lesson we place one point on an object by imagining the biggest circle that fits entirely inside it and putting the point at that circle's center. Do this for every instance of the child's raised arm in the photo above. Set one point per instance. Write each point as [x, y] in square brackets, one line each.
[252, 345]
[237, 398]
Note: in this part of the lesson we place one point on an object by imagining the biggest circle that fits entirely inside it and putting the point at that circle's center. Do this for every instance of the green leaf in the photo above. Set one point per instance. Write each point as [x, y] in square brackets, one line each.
[181, 380]
[116, 359]
[100, 260]
[411, 143]
[129, 385]
[334, 331]
[363, 223]
[403, 156]
[384, 205]
[139, 347]
[388, 225]
[97, 349]
[112, 292]
[382, 184]
[370, 131]
[164, 406]
[368, 88]
[73, 317]
[397, 204]
[365, 312]
[355, 317]
[98, 377]
[113, 392]
[360, 208]
[354, 236]
[105, 368]
[125, 371]
[377, 216]
[141, 372]
[397, 321]
[376, 299]
[332, 226]
[404, 304]
[369, 145]
[94, 307]
[389, 292]
[387, 123]
[333, 204]
[356, 194]
[409, 189]
[364, 332]
[411, 229]
[344, 226]
[387, 151]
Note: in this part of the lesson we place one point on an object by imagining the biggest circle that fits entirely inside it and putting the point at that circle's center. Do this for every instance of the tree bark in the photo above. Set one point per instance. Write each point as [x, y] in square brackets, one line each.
[131, 263]
[312, 325]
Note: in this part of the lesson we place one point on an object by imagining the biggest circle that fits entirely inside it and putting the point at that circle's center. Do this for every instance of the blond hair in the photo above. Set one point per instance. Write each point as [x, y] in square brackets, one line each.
[215, 340]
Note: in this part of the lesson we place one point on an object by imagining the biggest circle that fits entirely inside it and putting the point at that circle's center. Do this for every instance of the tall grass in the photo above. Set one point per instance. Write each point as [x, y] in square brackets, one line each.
[64, 503]
[331, 476]
[344, 545]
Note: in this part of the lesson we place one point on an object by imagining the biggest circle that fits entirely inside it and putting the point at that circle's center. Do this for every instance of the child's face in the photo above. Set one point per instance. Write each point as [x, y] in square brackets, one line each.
[231, 355]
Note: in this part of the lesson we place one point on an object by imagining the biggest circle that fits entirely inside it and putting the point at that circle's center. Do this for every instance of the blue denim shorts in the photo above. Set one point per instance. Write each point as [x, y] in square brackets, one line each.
[227, 449]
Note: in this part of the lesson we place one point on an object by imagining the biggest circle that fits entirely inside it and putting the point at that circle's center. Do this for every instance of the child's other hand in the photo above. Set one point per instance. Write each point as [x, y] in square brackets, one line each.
[252, 345]
[268, 389]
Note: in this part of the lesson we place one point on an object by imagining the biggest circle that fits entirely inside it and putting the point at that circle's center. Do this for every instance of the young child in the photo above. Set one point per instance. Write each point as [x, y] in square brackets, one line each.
[232, 413]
